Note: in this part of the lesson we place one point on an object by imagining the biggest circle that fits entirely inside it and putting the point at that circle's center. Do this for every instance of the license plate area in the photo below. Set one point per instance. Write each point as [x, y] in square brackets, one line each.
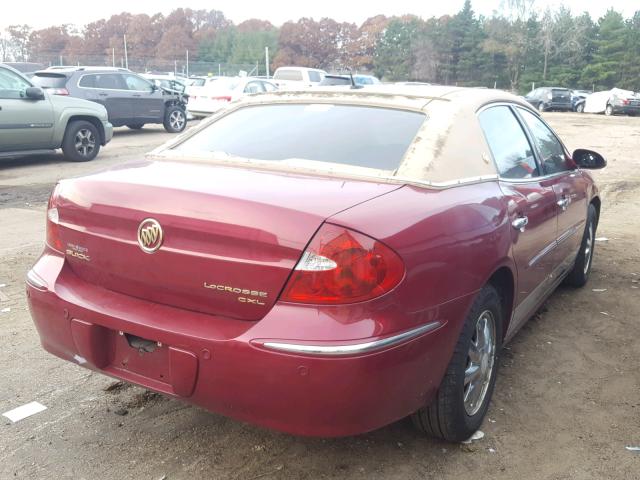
[143, 356]
[139, 360]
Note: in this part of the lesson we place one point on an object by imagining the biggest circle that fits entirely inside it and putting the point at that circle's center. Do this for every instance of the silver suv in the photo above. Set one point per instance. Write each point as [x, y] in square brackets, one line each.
[33, 121]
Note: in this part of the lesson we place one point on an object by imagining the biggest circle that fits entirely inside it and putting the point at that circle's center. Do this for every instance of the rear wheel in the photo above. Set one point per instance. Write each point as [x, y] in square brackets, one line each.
[580, 108]
[579, 275]
[81, 141]
[175, 119]
[463, 397]
[609, 110]
[136, 126]
[541, 107]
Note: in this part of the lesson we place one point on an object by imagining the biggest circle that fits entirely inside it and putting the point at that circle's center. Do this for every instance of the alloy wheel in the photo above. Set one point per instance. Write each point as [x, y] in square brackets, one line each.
[480, 363]
[85, 142]
[176, 120]
[588, 249]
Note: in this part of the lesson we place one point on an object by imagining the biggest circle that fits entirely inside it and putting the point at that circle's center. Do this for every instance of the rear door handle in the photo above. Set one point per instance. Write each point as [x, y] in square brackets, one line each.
[520, 223]
[563, 203]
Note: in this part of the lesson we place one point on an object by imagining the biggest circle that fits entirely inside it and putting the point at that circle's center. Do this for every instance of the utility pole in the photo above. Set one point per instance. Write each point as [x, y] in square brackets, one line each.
[187, 63]
[266, 60]
[126, 57]
[113, 57]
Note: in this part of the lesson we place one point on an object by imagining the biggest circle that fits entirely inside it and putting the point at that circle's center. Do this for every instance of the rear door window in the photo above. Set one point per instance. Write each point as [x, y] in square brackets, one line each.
[314, 76]
[109, 81]
[508, 143]
[254, 87]
[344, 134]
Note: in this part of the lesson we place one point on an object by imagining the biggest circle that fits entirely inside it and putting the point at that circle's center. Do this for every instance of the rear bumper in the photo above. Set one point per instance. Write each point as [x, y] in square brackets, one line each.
[558, 106]
[232, 367]
[626, 109]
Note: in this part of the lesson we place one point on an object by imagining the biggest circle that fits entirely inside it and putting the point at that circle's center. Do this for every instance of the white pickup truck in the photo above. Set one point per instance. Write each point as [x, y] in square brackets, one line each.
[288, 78]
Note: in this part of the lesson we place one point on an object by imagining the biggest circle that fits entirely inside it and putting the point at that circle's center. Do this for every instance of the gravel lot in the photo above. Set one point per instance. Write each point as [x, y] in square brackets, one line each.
[567, 400]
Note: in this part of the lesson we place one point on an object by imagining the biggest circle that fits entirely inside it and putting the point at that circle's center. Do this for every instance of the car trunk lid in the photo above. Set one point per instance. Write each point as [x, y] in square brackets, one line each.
[231, 236]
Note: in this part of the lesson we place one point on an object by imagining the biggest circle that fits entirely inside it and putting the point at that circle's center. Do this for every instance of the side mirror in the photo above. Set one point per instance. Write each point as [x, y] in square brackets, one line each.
[34, 93]
[588, 159]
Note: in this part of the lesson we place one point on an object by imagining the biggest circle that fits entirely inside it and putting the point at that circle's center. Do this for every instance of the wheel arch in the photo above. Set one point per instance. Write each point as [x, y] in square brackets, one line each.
[596, 202]
[503, 280]
[88, 118]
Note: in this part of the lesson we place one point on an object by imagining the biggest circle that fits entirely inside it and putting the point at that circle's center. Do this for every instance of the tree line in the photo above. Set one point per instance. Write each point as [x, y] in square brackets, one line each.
[509, 50]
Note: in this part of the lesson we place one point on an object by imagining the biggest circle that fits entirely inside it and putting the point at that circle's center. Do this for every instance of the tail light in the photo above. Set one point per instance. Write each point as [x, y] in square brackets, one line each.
[58, 91]
[625, 101]
[53, 224]
[342, 266]
[224, 98]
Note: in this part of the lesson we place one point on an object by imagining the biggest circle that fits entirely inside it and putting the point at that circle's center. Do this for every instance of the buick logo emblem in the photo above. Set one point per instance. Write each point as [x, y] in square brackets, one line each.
[150, 235]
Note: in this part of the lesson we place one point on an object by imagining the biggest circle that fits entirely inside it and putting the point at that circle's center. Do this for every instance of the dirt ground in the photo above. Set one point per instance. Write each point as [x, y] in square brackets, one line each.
[567, 400]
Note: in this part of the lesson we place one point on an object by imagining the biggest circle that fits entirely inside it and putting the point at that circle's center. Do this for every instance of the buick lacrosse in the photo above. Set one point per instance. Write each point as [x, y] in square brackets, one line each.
[324, 262]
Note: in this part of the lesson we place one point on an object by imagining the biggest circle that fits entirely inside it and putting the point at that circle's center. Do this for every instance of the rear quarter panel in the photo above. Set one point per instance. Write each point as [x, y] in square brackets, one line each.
[451, 240]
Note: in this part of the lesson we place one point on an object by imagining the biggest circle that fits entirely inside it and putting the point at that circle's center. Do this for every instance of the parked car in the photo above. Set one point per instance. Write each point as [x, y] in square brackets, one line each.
[129, 99]
[578, 99]
[33, 121]
[216, 95]
[550, 98]
[614, 101]
[277, 265]
[359, 80]
[297, 77]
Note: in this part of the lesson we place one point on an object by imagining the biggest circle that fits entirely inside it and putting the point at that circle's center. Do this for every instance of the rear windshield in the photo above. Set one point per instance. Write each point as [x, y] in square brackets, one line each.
[295, 75]
[49, 80]
[350, 135]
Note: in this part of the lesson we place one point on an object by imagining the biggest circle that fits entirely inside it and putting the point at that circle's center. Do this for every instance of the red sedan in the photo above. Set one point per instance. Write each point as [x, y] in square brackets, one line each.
[322, 263]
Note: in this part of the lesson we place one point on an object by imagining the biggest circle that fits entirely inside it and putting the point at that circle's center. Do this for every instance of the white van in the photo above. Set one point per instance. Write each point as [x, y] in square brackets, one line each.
[297, 77]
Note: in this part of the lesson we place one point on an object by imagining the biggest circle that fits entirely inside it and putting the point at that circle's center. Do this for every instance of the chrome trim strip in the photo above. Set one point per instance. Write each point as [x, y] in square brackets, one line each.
[353, 349]
[542, 253]
[14, 126]
[569, 233]
[35, 281]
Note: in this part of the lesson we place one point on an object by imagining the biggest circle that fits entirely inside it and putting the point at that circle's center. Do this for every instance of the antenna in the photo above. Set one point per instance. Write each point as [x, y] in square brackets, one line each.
[353, 82]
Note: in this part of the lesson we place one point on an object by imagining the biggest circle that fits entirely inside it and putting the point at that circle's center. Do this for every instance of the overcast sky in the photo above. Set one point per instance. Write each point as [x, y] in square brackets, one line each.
[42, 13]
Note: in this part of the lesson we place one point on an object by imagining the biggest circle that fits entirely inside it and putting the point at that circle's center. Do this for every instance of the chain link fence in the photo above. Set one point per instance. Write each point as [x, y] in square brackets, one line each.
[156, 65]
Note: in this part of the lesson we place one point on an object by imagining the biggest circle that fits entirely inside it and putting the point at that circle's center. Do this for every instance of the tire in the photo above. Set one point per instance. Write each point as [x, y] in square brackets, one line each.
[449, 416]
[608, 111]
[136, 126]
[580, 108]
[175, 119]
[579, 275]
[541, 107]
[81, 142]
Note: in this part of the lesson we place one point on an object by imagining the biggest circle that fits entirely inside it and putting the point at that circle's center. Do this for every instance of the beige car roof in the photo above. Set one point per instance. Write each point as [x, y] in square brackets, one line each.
[449, 148]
